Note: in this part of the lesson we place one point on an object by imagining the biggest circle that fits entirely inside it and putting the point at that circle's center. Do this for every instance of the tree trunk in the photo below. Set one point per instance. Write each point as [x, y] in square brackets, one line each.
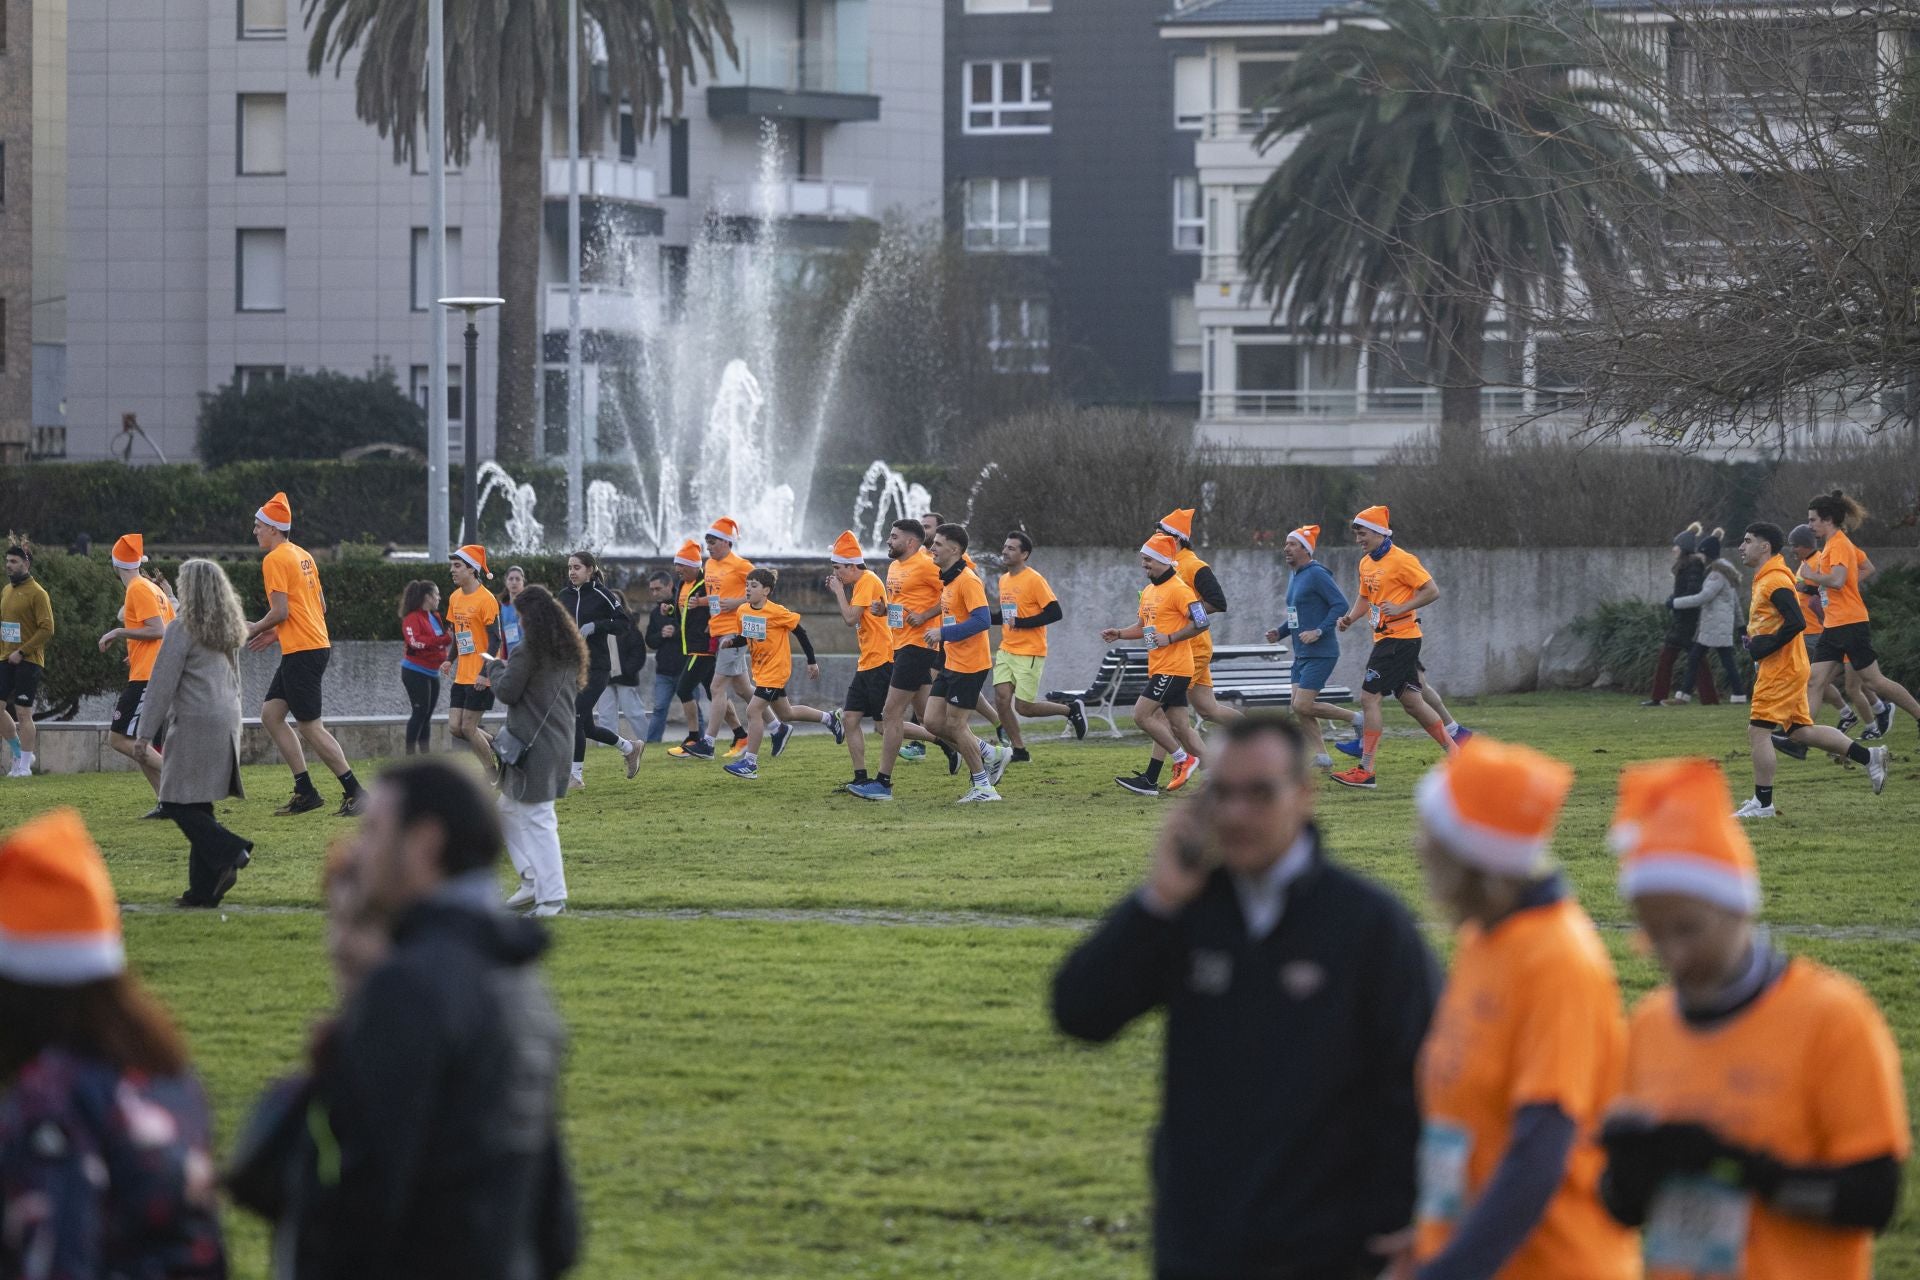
[517, 363]
[1460, 360]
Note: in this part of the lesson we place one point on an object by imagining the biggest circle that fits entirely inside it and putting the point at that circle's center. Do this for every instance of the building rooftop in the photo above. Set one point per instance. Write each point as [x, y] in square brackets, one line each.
[1210, 13]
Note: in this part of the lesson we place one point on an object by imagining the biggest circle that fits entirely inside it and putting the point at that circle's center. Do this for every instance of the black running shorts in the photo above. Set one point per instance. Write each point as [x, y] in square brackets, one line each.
[1168, 691]
[470, 697]
[126, 712]
[297, 683]
[697, 674]
[19, 683]
[961, 688]
[867, 695]
[913, 667]
[768, 694]
[1393, 668]
[1850, 643]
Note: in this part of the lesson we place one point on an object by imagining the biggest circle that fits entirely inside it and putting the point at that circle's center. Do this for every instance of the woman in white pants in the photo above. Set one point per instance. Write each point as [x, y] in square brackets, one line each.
[538, 684]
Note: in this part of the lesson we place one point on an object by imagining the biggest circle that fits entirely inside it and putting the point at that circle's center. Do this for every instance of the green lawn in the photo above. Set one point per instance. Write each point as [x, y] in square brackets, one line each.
[805, 1097]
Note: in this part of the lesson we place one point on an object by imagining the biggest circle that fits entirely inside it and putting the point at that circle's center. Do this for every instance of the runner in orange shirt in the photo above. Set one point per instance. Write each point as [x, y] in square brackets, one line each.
[1201, 580]
[1840, 570]
[862, 599]
[726, 590]
[1027, 609]
[988, 708]
[913, 600]
[767, 631]
[1527, 1049]
[473, 616]
[1845, 694]
[1779, 708]
[1394, 586]
[145, 612]
[1763, 1123]
[1170, 616]
[296, 619]
[966, 662]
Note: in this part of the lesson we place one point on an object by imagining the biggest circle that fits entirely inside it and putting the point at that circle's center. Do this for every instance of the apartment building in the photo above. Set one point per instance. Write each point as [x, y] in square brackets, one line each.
[233, 219]
[32, 224]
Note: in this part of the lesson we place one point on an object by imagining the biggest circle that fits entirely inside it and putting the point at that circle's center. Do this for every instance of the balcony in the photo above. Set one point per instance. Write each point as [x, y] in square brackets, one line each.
[831, 199]
[1345, 427]
[796, 80]
[615, 195]
[605, 308]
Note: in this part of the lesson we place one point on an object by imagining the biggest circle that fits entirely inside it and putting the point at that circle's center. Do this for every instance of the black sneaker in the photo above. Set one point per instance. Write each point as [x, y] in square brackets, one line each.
[953, 759]
[1882, 722]
[780, 737]
[1000, 734]
[1077, 717]
[154, 813]
[1139, 784]
[302, 802]
[701, 750]
[1020, 755]
[1788, 747]
[352, 806]
[1847, 720]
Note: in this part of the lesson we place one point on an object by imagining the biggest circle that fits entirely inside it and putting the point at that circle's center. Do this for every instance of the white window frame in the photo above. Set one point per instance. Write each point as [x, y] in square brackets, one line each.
[240, 269]
[1189, 219]
[417, 276]
[248, 376]
[1188, 352]
[248, 31]
[997, 108]
[1192, 119]
[420, 387]
[1009, 6]
[1021, 351]
[245, 166]
[1011, 226]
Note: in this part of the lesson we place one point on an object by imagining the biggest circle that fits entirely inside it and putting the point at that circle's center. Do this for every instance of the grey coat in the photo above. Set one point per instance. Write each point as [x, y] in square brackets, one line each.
[195, 693]
[1718, 601]
[540, 713]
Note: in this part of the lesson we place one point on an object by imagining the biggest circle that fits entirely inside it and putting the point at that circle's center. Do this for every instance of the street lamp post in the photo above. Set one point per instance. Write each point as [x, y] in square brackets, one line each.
[470, 385]
[437, 543]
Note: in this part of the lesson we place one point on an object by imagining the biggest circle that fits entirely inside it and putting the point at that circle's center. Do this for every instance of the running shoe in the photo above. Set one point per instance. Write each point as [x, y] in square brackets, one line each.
[633, 758]
[1847, 720]
[839, 727]
[997, 765]
[871, 791]
[522, 897]
[302, 802]
[1753, 809]
[683, 750]
[914, 752]
[1139, 784]
[22, 765]
[979, 795]
[350, 807]
[1882, 721]
[739, 748]
[224, 885]
[780, 736]
[701, 750]
[1357, 776]
[1077, 717]
[1788, 747]
[1349, 747]
[1021, 755]
[154, 813]
[576, 783]
[1460, 734]
[743, 769]
[1877, 768]
[548, 910]
[953, 759]
[1652, 702]
[1681, 699]
[1181, 772]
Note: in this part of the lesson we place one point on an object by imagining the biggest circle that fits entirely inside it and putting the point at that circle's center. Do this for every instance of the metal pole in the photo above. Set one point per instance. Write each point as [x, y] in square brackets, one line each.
[470, 507]
[576, 428]
[437, 499]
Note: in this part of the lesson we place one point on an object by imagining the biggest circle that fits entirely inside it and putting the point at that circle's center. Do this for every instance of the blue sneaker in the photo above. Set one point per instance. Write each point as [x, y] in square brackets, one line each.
[743, 769]
[1348, 747]
[915, 751]
[780, 737]
[1460, 734]
[839, 728]
[871, 791]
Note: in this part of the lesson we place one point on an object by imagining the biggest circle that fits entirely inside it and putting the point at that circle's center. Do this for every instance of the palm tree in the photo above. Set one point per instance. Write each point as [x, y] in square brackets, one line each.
[505, 60]
[1449, 155]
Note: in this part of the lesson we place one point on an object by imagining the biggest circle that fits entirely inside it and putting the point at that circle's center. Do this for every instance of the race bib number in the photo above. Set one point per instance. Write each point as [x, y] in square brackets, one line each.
[9, 633]
[1008, 612]
[753, 626]
[463, 642]
[1293, 621]
[1379, 619]
[1444, 1149]
[1149, 634]
[1698, 1228]
[948, 620]
[513, 633]
[897, 617]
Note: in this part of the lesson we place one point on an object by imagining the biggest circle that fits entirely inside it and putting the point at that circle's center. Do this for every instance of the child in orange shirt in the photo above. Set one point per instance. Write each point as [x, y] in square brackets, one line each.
[764, 631]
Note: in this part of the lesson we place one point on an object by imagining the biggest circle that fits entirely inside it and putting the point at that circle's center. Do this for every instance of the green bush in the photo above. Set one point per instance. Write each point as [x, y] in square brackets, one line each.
[1893, 598]
[1626, 636]
[86, 596]
[307, 415]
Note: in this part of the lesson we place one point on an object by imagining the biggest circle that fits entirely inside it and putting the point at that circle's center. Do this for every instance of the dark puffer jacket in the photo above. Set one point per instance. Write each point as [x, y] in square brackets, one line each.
[1689, 573]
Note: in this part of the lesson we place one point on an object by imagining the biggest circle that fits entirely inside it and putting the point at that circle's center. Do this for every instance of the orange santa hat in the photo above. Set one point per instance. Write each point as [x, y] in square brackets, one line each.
[1178, 523]
[1494, 805]
[1685, 839]
[725, 528]
[846, 549]
[475, 557]
[276, 512]
[688, 554]
[59, 919]
[129, 551]
[1376, 519]
[1163, 548]
[1308, 536]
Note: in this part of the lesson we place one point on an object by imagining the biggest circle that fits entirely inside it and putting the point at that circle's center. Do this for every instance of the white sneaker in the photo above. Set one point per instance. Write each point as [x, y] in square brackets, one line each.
[546, 910]
[22, 765]
[997, 763]
[576, 783]
[1681, 697]
[1877, 768]
[1323, 762]
[522, 897]
[1753, 809]
[1738, 699]
[978, 795]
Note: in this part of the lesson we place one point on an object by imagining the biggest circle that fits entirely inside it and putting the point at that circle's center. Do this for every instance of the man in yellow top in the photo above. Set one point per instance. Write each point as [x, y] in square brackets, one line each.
[967, 658]
[1840, 570]
[473, 616]
[296, 619]
[1171, 615]
[1394, 586]
[145, 612]
[1200, 579]
[913, 600]
[26, 625]
[1027, 608]
[1774, 624]
[726, 579]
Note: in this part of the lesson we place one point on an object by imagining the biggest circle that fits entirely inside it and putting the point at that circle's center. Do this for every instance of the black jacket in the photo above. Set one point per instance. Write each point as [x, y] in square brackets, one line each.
[1688, 577]
[599, 604]
[631, 646]
[668, 659]
[1289, 1122]
[443, 1096]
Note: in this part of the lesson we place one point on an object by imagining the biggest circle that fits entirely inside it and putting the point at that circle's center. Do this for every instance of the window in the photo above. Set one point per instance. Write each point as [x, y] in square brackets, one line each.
[3, 173]
[262, 269]
[629, 136]
[1009, 97]
[1186, 334]
[423, 278]
[1009, 6]
[248, 376]
[263, 133]
[1260, 81]
[1189, 221]
[422, 387]
[1008, 214]
[1191, 94]
[1017, 334]
[263, 19]
[1266, 366]
[677, 177]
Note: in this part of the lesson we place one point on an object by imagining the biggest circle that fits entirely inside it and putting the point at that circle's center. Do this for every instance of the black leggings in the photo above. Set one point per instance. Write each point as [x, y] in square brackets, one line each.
[423, 694]
[584, 725]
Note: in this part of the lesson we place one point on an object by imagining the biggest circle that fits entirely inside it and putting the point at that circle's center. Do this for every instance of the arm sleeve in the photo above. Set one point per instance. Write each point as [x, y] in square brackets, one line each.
[806, 645]
[1045, 617]
[972, 625]
[1207, 587]
[408, 637]
[1402, 985]
[42, 631]
[1121, 971]
[1712, 587]
[1792, 623]
[1514, 1199]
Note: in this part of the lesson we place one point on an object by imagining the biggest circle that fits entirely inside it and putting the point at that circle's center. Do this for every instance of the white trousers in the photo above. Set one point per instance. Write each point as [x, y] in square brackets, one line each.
[533, 846]
[618, 700]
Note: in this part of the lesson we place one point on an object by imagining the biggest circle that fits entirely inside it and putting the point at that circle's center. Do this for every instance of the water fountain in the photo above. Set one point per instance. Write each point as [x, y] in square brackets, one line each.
[890, 497]
[524, 531]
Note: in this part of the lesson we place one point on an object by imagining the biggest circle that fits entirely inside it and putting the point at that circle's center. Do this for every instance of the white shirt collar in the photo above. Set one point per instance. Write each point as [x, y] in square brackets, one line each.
[1263, 898]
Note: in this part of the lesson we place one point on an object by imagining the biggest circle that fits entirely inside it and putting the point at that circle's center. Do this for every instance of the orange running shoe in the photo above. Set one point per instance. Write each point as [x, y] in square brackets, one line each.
[1183, 771]
[739, 748]
[1356, 777]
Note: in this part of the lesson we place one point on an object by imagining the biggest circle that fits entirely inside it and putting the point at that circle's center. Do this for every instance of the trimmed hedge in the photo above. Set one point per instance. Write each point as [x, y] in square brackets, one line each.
[308, 415]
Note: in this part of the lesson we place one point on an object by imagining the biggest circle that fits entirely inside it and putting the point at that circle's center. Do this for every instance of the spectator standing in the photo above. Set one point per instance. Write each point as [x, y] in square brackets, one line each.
[105, 1140]
[427, 643]
[514, 583]
[1297, 996]
[26, 626]
[1719, 602]
[1689, 575]
[538, 685]
[193, 695]
[663, 637]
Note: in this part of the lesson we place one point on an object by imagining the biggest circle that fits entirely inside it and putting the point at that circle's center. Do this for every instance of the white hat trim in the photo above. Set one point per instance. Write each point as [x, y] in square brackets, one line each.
[1168, 529]
[1146, 549]
[471, 563]
[717, 532]
[118, 563]
[837, 558]
[262, 516]
[1382, 530]
[60, 959]
[1488, 848]
[1691, 876]
[691, 564]
[1293, 535]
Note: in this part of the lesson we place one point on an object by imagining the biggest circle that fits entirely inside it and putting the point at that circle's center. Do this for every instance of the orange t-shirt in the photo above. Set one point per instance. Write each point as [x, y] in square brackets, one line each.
[1392, 580]
[1844, 605]
[143, 601]
[727, 579]
[1807, 1073]
[1779, 694]
[876, 645]
[290, 570]
[1188, 566]
[913, 586]
[958, 600]
[1166, 607]
[769, 631]
[469, 614]
[1022, 595]
[1530, 1014]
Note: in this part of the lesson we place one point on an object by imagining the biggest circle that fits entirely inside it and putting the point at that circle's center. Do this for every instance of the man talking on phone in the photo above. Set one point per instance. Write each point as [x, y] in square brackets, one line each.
[1297, 995]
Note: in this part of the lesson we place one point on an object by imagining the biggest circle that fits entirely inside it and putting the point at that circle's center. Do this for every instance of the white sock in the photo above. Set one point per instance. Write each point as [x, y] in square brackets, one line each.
[986, 748]
[826, 718]
[981, 780]
[773, 722]
[1452, 727]
[1178, 757]
[1359, 718]
[1879, 707]
[626, 746]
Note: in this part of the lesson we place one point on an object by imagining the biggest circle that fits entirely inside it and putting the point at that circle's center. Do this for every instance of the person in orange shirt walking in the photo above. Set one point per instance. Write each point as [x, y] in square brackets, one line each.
[145, 612]
[1394, 586]
[1527, 1049]
[966, 662]
[767, 631]
[473, 616]
[1840, 570]
[1027, 608]
[296, 619]
[1763, 1124]
[1170, 616]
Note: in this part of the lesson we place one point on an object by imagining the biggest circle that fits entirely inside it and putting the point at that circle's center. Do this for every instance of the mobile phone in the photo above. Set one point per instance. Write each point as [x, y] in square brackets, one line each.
[1192, 847]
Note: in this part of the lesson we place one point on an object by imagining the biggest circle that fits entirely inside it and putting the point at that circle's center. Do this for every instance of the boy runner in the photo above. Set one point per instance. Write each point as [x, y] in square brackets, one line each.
[1200, 579]
[1840, 570]
[1315, 604]
[966, 661]
[145, 612]
[26, 625]
[1027, 608]
[1170, 616]
[765, 628]
[296, 619]
[473, 616]
[1394, 586]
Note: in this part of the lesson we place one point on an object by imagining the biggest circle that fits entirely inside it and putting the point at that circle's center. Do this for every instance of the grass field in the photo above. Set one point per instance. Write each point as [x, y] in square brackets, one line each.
[810, 1034]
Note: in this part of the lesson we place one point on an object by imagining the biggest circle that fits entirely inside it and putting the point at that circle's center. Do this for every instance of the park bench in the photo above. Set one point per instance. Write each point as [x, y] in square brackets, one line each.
[1244, 675]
